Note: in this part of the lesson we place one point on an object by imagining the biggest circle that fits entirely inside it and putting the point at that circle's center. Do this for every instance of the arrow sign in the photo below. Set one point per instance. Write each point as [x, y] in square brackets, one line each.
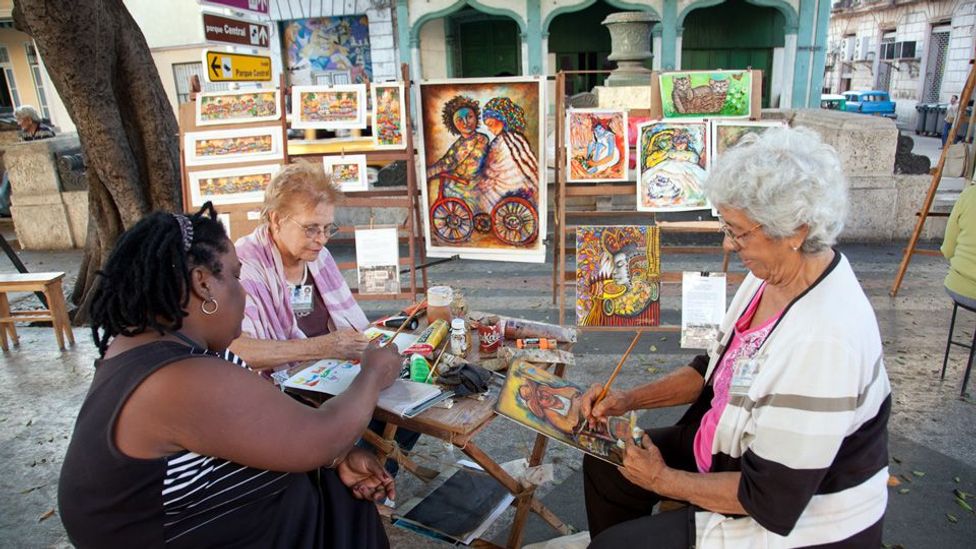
[236, 32]
[261, 7]
[236, 67]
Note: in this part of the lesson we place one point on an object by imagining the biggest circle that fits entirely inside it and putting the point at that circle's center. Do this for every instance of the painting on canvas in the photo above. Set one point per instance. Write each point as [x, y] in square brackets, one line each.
[387, 101]
[347, 171]
[706, 94]
[483, 156]
[726, 134]
[237, 107]
[229, 146]
[230, 186]
[551, 405]
[618, 276]
[336, 46]
[596, 145]
[329, 107]
[672, 162]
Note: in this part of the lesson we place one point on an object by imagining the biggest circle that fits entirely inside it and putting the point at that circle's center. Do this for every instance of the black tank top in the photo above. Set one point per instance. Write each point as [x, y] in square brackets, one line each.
[108, 499]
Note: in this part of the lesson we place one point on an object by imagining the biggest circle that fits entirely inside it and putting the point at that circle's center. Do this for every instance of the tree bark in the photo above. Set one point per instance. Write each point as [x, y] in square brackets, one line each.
[101, 66]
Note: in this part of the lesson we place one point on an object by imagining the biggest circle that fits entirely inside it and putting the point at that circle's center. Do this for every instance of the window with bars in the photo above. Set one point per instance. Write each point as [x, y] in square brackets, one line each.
[935, 67]
[35, 67]
[182, 72]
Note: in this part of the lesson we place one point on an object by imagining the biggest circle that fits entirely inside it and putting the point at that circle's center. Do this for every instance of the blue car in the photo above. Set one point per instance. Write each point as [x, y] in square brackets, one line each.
[870, 102]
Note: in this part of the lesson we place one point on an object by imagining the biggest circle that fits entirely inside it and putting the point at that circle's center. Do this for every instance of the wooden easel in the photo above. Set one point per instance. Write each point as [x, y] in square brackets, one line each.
[926, 211]
[625, 188]
[243, 216]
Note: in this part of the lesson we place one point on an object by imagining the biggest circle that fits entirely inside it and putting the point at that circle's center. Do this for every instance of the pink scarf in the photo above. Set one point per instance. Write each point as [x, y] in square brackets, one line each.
[267, 311]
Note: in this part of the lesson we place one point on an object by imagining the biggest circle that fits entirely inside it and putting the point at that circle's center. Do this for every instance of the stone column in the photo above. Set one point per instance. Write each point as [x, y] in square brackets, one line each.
[526, 68]
[656, 33]
[789, 64]
[630, 37]
[677, 49]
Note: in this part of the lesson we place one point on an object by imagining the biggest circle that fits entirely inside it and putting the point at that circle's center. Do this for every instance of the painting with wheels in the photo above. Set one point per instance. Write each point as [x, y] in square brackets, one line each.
[485, 191]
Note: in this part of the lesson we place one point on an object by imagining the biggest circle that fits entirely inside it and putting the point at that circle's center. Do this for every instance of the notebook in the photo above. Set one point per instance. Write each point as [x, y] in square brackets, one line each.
[404, 398]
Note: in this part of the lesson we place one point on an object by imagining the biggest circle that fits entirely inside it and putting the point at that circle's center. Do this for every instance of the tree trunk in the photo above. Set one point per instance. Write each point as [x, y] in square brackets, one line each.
[100, 64]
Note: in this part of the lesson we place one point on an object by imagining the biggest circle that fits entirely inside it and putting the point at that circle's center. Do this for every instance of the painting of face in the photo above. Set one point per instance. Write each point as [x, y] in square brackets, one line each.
[618, 276]
[485, 194]
[552, 406]
[596, 145]
[672, 166]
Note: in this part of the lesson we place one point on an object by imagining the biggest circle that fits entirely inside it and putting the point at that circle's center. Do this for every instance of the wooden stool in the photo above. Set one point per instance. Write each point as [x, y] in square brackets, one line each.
[56, 313]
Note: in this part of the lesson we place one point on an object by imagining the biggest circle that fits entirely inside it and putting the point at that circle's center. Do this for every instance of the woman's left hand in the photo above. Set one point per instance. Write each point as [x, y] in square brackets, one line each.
[363, 474]
[642, 466]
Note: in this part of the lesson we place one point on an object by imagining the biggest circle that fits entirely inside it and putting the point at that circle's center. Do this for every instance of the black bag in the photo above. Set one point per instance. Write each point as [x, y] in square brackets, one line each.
[465, 379]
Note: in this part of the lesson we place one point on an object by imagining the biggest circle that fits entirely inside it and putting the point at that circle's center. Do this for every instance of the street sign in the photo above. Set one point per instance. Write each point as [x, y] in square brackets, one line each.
[254, 6]
[236, 32]
[236, 67]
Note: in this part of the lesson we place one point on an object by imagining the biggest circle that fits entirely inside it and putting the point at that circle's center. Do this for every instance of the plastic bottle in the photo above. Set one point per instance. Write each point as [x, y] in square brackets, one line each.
[419, 368]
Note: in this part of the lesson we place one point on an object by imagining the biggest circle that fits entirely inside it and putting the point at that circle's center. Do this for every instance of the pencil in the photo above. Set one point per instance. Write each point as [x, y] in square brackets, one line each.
[606, 386]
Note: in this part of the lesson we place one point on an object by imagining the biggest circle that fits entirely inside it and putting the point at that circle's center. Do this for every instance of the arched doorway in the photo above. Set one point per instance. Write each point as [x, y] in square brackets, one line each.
[484, 44]
[579, 42]
[734, 35]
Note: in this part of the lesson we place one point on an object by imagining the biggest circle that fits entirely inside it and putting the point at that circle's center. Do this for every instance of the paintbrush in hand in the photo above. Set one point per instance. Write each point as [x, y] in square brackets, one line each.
[606, 386]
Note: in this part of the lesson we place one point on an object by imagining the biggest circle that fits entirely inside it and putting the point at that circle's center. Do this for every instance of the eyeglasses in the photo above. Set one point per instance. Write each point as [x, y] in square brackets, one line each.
[313, 231]
[736, 238]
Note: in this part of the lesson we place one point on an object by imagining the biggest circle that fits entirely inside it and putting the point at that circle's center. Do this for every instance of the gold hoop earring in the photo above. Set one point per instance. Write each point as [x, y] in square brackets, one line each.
[203, 306]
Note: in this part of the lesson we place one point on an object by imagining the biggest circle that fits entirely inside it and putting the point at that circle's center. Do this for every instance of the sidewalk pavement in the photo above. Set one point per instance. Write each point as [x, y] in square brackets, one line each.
[932, 446]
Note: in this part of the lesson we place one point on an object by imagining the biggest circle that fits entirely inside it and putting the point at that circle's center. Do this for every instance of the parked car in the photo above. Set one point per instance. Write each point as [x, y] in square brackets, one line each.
[870, 102]
[833, 102]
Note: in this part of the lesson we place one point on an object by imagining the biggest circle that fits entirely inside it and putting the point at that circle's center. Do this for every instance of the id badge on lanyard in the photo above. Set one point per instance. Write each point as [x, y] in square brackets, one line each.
[301, 299]
[744, 372]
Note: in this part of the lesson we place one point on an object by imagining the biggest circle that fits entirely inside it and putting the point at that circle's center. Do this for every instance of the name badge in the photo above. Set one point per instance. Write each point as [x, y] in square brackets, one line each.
[744, 372]
[301, 299]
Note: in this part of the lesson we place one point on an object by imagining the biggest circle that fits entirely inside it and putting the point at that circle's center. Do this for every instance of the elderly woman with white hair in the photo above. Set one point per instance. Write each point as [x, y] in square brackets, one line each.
[785, 443]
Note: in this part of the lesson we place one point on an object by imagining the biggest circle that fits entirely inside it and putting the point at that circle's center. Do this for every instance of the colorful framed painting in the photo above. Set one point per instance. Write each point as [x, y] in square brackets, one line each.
[706, 94]
[237, 107]
[725, 134]
[328, 107]
[388, 105]
[618, 276]
[230, 186]
[483, 156]
[672, 159]
[551, 405]
[347, 171]
[596, 145]
[230, 146]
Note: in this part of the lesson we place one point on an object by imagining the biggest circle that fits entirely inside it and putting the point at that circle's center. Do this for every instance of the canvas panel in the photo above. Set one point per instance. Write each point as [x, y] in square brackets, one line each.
[387, 102]
[596, 145]
[618, 276]
[706, 94]
[483, 159]
[672, 166]
[237, 107]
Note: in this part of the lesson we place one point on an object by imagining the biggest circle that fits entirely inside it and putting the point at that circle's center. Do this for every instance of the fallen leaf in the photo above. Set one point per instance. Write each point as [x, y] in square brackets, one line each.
[964, 505]
[893, 481]
[653, 370]
[960, 494]
[29, 421]
[952, 518]
[29, 490]
[904, 490]
[46, 516]
[905, 477]
[956, 479]
[653, 348]
[664, 338]
[919, 473]
[896, 460]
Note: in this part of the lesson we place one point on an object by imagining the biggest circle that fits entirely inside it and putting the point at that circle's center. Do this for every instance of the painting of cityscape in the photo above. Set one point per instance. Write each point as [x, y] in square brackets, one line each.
[387, 102]
[618, 276]
[328, 107]
[483, 156]
[237, 107]
[230, 186]
[229, 146]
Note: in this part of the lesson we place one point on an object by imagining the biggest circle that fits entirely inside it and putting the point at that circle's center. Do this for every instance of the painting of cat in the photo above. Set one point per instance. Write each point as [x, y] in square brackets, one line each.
[706, 94]
[707, 99]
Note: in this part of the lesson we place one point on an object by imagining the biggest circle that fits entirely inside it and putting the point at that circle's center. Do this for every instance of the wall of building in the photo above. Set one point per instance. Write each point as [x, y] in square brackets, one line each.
[433, 46]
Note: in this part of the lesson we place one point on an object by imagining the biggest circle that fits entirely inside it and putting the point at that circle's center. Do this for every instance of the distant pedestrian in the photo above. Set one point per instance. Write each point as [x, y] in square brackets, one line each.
[32, 127]
[950, 117]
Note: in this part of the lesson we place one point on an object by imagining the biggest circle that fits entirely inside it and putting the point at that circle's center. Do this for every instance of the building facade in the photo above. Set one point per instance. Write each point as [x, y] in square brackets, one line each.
[918, 51]
[470, 38]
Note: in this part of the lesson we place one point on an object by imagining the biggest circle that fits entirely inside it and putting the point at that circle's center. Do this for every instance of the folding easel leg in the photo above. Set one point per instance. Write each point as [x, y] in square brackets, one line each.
[952, 325]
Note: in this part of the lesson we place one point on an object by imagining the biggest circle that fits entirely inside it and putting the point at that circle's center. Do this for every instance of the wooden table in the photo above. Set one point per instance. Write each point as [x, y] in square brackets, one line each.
[459, 425]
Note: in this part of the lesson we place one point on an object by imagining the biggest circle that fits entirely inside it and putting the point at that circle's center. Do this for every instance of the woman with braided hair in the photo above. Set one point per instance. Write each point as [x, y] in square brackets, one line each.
[510, 167]
[167, 449]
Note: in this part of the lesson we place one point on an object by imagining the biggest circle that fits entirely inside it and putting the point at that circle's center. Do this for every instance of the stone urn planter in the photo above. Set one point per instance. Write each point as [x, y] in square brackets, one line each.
[630, 39]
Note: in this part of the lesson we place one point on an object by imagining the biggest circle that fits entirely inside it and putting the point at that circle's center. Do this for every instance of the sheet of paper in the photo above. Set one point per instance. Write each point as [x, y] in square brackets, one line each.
[702, 308]
[402, 341]
[378, 260]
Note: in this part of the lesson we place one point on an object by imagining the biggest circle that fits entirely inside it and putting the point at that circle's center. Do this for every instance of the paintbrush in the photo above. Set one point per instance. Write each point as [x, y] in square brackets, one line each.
[433, 367]
[606, 386]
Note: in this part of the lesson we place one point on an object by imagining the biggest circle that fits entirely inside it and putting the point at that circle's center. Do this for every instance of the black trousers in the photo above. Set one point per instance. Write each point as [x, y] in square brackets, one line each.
[611, 499]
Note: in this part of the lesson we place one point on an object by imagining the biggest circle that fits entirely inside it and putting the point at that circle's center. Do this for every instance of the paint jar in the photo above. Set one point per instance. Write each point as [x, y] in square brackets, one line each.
[459, 337]
[439, 300]
[419, 368]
